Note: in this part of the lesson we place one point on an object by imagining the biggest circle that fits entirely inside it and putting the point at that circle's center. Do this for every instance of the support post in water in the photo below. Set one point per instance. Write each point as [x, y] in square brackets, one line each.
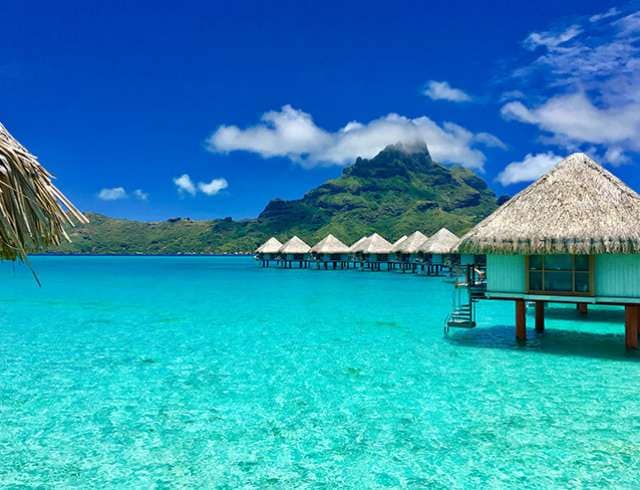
[583, 308]
[521, 320]
[539, 316]
[632, 318]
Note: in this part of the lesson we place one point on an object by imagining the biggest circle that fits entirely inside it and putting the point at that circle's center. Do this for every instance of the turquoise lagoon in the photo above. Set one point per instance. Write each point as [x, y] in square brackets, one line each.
[157, 372]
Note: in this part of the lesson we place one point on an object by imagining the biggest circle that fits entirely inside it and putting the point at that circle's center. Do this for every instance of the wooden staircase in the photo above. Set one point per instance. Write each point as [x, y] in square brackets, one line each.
[465, 296]
[462, 316]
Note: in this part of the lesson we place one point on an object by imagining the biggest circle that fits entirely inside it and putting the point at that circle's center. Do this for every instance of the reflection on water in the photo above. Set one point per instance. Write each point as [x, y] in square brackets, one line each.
[598, 334]
[599, 314]
[551, 341]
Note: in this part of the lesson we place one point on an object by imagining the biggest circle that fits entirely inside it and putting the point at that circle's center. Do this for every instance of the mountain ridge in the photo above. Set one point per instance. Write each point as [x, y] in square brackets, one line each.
[396, 192]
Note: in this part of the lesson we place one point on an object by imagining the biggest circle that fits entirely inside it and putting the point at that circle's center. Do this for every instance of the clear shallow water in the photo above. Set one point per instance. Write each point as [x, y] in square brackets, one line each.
[211, 372]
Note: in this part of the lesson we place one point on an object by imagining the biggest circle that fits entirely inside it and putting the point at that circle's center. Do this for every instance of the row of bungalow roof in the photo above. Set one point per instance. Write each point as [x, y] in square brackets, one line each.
[443, 242]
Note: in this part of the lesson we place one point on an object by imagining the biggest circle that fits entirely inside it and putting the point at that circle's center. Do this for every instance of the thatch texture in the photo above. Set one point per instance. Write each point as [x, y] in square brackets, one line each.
[294, 246]
[577, 208]
[411, 245]
[271, 246]
[330, 245]
[442, 242]
[33, 212]
[375, 244]
[356, 246]
[398, 242]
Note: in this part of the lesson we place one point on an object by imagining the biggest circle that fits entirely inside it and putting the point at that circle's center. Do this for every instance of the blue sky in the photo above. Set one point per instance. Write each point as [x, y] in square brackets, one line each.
[211, 109]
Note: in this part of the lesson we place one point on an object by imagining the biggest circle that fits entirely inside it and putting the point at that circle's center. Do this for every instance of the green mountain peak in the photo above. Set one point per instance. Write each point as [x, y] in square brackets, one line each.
[398, 191]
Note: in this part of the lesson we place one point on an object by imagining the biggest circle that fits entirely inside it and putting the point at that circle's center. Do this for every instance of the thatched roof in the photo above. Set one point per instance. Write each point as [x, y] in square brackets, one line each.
[375, 244]
[411, 245]
[33, 212]
[295, 246]
[330, 245]
[271, 246]
[398, 242]
[355, 247]
[442, 242]
[577, 208]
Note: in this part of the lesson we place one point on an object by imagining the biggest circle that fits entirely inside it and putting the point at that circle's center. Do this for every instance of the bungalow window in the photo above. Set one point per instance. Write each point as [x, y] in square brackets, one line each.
[563, 274]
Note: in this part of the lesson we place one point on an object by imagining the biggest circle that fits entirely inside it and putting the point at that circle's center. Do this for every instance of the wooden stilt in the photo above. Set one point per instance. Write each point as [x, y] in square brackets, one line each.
[521, 320]
[583, 308]
[631, 326]
[539, 316]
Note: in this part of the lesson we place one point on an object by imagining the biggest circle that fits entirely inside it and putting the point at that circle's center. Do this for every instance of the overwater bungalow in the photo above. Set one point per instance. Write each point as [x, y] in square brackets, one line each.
[405, 253]
[355, 246]
[331, 252]
[399, 241]
[268, 251]
[375, 251]
[294, 251]
[392, 259]
[571, 237]
[438, 251]
[355, 249]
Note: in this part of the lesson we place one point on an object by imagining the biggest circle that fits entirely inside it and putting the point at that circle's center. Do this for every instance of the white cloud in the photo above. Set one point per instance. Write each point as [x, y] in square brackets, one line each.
[589, 64]
[112, 194]
[573, 118]
[512, 95]
[185, 184]
[288, 132]
[140, 195]
[589, 56]
[489, 140]
[551, 39]
[612, 12]
[213, 187]
[117, 193]
[629, 24]
[616, 156]
[587, 84]
[443, 91]
[530, 168]
[292, 133]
